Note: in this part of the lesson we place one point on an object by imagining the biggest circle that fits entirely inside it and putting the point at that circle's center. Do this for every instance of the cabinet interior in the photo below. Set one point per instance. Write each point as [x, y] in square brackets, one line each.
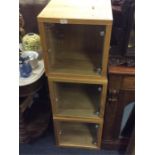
[78, 134]
[80, 100]
[75, 49]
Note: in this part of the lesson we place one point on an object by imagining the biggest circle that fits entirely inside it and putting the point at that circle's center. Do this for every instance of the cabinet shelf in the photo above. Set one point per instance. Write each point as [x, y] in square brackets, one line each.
[77, 63]
[78, 134]
[77, 100]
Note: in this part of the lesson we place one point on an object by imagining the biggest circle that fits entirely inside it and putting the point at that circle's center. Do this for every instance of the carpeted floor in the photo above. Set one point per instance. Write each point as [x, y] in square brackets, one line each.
[45, 146]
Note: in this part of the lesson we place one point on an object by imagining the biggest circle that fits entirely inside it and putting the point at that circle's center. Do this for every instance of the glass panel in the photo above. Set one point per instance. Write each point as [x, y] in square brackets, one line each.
[78, 134]
[81, 100]
[75, 49]
[131, 43]
[127, 122]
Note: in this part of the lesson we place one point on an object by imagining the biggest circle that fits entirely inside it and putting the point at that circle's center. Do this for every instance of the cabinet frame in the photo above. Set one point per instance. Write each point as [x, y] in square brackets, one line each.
[53, 96]
[78, 13]
[57, 121]
[119, 95]
[105, 53]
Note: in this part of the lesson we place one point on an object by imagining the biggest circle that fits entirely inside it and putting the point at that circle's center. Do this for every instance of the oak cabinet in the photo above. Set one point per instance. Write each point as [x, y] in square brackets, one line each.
[79, 134]
[75, 37]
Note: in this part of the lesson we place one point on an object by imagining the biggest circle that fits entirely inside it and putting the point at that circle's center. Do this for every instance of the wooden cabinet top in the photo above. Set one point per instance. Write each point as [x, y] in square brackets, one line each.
[96, 12]
[123, 70]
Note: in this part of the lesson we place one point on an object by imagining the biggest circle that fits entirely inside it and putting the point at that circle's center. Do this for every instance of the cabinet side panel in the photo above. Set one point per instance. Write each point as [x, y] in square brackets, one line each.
[51, 86]
[57, 131]
[103, 99]
[99, 134]
[106, 49]
[51, 44]
[43, 43]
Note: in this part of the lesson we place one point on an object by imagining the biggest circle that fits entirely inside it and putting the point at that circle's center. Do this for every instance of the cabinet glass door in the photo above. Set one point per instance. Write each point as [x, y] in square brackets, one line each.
[77, 100]
[75, 49]
[78, 134]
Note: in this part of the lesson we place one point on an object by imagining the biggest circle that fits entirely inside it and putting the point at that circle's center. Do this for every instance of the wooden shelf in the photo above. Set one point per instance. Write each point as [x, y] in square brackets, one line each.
[121, 70]
[78, 135]
[77, 100]
[76, 79]
[75, 38]
[76, 63]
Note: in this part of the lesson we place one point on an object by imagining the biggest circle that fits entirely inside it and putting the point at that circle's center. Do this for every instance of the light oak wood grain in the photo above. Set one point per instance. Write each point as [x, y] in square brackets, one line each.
[75, 38]
[106, 49]
[76, 119]
[79, 134]
[77, 12]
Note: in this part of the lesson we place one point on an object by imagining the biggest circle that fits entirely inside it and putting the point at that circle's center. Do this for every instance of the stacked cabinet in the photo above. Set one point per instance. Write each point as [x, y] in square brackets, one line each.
[75, 38]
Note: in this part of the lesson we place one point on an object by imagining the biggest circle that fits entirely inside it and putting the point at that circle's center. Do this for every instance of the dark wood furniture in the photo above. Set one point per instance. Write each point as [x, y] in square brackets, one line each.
[34, 110]
[131, 146]
[123, 31]
[120, 93]
[30, 10]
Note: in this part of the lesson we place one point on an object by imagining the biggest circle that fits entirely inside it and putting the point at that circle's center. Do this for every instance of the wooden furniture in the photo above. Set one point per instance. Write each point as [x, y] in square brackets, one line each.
[26, 99]
[121, 92]
[75, 38]
[131, 146]
[122, 42]
[30, 10]
[34, 112]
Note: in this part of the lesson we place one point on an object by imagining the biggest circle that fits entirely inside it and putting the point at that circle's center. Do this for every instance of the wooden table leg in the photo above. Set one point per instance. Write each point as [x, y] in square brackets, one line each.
[23, 135]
